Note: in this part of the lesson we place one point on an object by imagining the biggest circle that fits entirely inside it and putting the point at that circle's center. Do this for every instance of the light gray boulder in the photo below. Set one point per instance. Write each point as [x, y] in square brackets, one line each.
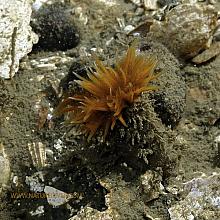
[16, 36]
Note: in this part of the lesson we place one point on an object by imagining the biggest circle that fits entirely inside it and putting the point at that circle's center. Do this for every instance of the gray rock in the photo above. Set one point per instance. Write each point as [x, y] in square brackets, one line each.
[35, 182]
[151, 185]
[187, 29]
[56, 197]
[16, 36]
[202, 200]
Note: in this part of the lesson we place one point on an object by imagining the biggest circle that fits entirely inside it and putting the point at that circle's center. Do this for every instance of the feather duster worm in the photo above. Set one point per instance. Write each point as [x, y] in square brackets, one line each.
[108, 91]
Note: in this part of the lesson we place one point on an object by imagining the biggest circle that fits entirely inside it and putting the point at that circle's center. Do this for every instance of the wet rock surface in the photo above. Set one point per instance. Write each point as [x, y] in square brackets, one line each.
[148, 170]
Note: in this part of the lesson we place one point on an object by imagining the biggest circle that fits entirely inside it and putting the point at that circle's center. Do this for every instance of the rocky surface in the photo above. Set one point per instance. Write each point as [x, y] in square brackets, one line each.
[201, 199]
[187, 30]
[148, 170]
[16, 36]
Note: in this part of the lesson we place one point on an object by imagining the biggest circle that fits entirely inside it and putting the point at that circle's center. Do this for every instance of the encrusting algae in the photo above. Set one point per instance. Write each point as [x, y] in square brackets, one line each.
[108, 91]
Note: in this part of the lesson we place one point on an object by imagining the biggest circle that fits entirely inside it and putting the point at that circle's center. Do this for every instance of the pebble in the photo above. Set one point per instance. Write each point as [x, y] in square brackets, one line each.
[35, 182]
[139, 11]
[208, 54]
[216, 36]
[150, 5]
[39, 211]
[56, 197]
[137, 2]
[151, 185]
[128, 28]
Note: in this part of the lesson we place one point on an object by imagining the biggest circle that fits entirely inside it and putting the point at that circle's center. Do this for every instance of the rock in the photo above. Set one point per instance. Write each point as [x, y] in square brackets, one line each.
[150, 4]
[89, 213]
[37, 212]
[35, 182]
[151, 185]
[16, 36]
[137, 2]
[208, 54]
[56, 197]
[37, 4]
[139, 11]
[216, 36]
[123, 202]
[187, 29]
[202, 200]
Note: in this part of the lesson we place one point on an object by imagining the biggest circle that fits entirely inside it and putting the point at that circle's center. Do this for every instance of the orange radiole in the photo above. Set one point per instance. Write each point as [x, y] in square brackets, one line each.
[108, 91]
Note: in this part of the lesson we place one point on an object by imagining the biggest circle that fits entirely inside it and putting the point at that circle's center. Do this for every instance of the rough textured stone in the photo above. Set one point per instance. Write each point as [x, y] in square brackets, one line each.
[187, 29]
[151, 185]
[16, 36]
[202, 200]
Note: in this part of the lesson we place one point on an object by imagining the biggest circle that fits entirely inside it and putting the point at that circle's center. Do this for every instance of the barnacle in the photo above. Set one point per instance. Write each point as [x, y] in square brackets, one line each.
[108, 91]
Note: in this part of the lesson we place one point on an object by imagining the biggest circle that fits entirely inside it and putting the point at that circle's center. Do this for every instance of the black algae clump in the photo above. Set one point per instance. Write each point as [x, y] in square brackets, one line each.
[55, 28]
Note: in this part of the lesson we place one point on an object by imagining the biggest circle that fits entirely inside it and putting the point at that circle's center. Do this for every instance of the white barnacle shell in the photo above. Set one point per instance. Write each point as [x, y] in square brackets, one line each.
[38, 154]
